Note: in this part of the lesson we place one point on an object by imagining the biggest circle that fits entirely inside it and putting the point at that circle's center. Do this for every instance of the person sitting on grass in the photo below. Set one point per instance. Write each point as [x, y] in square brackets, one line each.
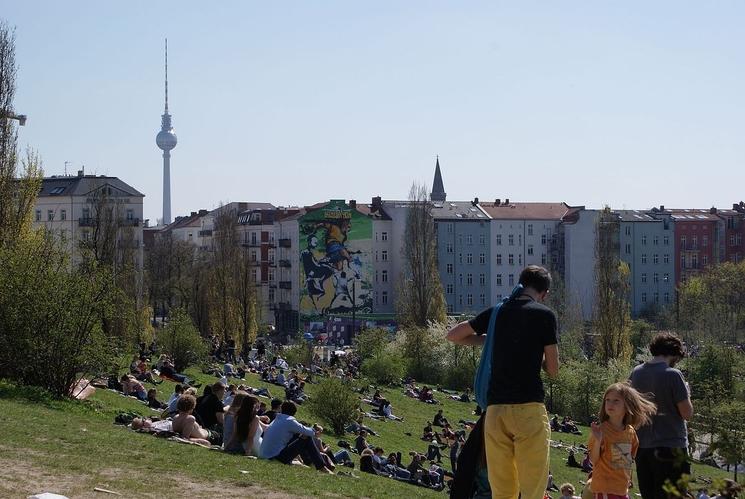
[572, 460]
[439, 419]
[186, 424]
[210, 409]
[168, 371]
[249, 428]
[389, 465]
[567, 491]
[178, 390]
[286, 438]
[152, 400]
[386, 410]
[360, 443]
[229, 423]
[272, 413]
[356, 426]
[331, 458]
[132, 387]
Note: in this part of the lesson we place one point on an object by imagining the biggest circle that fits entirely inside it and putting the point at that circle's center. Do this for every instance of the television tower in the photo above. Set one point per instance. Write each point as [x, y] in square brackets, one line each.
[166, 140]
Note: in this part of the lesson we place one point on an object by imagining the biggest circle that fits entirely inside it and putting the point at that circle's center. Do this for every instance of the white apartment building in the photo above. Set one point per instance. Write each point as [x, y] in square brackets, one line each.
[69, 206]
[521, 234]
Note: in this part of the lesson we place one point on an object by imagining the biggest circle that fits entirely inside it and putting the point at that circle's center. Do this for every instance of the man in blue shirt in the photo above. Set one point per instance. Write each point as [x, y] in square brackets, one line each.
[286, 438]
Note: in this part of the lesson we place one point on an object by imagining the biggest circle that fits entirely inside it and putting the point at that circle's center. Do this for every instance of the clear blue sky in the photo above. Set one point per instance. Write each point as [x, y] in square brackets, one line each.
[633, 104]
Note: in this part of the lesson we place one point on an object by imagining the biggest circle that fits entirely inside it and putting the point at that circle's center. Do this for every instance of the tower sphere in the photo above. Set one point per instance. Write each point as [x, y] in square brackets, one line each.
[166, 140]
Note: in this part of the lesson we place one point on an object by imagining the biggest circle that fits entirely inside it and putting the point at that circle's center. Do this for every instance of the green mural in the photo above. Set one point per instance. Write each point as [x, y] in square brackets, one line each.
[335, 271]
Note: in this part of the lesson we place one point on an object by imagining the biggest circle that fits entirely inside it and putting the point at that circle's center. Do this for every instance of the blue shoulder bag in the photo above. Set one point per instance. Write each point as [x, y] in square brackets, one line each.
[483, 373]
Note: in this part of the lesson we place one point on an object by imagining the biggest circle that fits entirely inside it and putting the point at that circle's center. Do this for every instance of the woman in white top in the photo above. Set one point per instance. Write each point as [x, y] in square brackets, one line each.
[229, 443]
[249, 427]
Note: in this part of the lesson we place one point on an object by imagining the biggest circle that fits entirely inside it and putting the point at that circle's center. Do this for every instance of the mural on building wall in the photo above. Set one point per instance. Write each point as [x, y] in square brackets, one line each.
[335, 261]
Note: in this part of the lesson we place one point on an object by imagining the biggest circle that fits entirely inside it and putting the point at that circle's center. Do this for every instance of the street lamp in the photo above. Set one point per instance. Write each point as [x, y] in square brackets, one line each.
[12, 116]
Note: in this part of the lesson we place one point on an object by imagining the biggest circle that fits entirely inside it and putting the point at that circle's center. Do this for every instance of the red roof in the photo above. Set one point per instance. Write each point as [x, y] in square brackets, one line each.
[525, 211]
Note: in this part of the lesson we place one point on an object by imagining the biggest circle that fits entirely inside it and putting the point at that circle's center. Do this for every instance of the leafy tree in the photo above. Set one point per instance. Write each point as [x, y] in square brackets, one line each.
[370, 342]
[421, 348]
[335, 403]
[182, 340]
[420, 293]
[384, 367]
[729, 435]
[612, 314]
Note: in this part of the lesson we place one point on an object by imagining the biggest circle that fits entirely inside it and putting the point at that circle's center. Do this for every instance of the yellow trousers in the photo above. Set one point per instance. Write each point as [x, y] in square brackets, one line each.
[516, 438]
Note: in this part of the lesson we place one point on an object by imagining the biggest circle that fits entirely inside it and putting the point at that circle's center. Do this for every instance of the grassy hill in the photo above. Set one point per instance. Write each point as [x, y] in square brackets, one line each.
[70, 447]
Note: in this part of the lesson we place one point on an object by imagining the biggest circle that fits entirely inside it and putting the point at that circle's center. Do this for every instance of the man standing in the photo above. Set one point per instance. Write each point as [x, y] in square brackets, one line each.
[516, 427]
[663, 444]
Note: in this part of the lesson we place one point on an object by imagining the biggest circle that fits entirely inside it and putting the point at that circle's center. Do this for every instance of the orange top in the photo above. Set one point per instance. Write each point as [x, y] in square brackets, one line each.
[612, 473]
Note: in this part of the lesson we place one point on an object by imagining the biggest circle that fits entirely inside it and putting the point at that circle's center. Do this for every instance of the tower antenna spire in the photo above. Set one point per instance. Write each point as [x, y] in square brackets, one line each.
[166, 76]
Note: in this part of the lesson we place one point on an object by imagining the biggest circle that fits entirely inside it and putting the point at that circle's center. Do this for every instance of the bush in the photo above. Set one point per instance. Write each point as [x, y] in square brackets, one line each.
[370, 342]
[384, 368]
[296, 354]
[335, 403]
[182, 340]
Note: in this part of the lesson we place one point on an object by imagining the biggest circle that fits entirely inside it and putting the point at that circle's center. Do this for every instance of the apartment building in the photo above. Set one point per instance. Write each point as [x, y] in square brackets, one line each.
[74, 207]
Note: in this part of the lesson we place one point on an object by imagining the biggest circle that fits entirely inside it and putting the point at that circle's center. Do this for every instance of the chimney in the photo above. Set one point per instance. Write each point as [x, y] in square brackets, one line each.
[475, 201]
[506, 201]
[713, 210]
[662, 207]
[377, 202]
[80, 173]
[353, 204]
[497, 202]
[193, 214]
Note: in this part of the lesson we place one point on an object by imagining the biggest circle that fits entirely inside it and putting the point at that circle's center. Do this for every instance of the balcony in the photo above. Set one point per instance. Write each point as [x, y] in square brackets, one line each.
[285, 263]
[205, 233]
[285, 242]
[285, 284]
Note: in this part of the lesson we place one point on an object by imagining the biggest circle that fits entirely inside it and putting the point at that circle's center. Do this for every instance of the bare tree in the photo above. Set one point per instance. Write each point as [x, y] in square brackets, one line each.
[247, 299]
[225, 316]
[421, 298]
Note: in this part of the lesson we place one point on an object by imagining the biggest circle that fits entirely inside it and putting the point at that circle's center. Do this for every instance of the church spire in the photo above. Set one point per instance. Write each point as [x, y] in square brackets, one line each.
[438, 189]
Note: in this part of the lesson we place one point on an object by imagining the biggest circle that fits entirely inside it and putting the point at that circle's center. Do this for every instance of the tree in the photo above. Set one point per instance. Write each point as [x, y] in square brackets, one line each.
[246, 298]
[18, 189]
[612, 317]
[335, 403]
[225, 315]
[182, 340]
[729, 436]
[421, 298]
[371, 341]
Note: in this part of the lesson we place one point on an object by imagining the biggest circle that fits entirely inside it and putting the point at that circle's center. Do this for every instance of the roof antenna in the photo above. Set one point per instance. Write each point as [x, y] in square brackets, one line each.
[166, 76]
[66, 163]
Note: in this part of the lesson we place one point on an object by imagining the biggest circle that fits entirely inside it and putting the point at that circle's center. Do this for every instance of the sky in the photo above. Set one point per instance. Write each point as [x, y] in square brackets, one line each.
[631, 104]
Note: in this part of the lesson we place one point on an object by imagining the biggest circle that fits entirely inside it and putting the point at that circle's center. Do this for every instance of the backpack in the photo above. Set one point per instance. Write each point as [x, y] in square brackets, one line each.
[483, 373]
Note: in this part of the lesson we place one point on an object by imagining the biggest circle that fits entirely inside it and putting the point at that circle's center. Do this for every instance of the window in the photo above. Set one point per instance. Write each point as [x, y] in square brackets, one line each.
[543, 258]
[469, 299]
[86, 212]
[50, 215]
[705, 241]
[499, 279]
[460, 258]
[543, 239]
[384, 276]
[667, 297]
[460, 301]
[384, 255]
[682, 261]
[705, 260]
[656, 297]
[666, 240]
[482, 240]
[628, 230]
[682, 241]
[655, 258]
[694, 241]
[63, 215]
[644, 240]
[270, 255]
[383, 236]
[271, 275]
[450, 308]
[644, 277]
[376, 276]
[449, 289]
[86, 235]
[460, 279]
[511, 240]
[469, 239]
[694, 261]
[530, 229]
[469, 258]
[666, 258]
[644, 258]
[130, 215]
[656, 240]
[449, 248]
[469, 279]
[511, 259]
[732, 240]
[482, 279]
[644, 297]
[38, 215]
[253, 238]
[384, 297]
[482, 299]
[253, 255]
[666, 277]
[520, 259]
[482, 258]
[511, 280]
[499, 259]
[655, 277]
[628, 249]
[271, 295]
[449, 268]
[530, 249]
[449, 227]
[499, 239]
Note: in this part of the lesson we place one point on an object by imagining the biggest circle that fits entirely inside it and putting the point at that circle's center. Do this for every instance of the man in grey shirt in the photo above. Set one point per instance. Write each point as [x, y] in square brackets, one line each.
[662, 444]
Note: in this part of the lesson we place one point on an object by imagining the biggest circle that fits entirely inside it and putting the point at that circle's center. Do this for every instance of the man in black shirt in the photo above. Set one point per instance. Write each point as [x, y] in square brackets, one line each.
[210, 408]
[516, 427]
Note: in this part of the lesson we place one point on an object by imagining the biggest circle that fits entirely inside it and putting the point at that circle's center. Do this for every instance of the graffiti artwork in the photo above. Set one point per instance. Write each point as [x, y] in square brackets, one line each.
[335, 267]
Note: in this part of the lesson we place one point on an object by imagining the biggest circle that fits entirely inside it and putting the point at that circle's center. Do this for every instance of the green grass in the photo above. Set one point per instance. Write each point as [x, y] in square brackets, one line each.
[76, 447]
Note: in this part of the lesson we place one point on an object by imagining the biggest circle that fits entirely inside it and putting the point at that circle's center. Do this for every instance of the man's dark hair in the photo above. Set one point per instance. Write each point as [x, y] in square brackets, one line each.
[289, 408]
[536, 277]
[666, 344]
[276, 403]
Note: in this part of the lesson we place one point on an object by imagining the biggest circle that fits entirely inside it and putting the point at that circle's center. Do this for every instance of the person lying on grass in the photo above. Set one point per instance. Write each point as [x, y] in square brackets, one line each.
[186, 424]
[147, 423]
[132, 387]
